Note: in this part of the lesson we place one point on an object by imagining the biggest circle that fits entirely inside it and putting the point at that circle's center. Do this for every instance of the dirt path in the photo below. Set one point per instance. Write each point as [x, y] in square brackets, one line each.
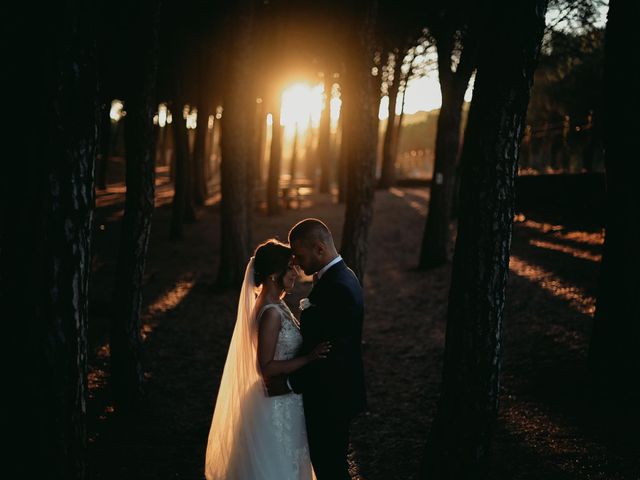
[545, 428]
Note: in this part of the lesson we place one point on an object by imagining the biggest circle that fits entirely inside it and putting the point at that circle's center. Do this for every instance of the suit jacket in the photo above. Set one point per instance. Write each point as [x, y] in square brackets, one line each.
[336, 313]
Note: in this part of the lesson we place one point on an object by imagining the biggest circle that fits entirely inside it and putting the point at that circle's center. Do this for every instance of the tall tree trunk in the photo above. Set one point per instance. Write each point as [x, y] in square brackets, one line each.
[47, 201]
[200, 193]
[255, 173]
[453, 86]
[125, 342]
[395, 144]
[324, 139]
[459, 442]
[104, 146]
[343, 155]
[275, 160]
[189, 196]
[388, 170]
[360, 126]
[239, 111]
[293, 165]
[613, 353]
[199, 156]
[181, 162]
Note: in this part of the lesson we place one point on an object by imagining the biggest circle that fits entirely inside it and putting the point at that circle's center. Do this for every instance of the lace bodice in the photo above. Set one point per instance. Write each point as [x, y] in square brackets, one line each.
[286, 411]
[289, 338]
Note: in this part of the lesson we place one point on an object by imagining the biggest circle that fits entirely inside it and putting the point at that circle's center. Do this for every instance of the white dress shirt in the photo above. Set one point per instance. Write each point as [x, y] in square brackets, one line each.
[322, 271]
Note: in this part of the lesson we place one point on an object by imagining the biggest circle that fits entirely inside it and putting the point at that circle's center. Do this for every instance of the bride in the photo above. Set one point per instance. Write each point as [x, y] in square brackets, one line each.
[258, 431]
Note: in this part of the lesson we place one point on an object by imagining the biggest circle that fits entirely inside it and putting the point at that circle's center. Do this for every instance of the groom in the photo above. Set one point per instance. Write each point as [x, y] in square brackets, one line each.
[333, 389]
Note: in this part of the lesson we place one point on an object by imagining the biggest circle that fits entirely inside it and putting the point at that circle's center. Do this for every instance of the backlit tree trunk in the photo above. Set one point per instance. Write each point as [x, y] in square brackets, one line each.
[459, 442]
[324, 138]
[239, 111]
[388, 170]
[613, 355]
[360, 127]
[181, 162]
[275, 160]
[453, 86]
[125, 341]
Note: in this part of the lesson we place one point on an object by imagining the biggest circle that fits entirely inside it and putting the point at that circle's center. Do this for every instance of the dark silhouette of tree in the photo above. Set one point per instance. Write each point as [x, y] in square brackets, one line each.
[457, 52]
[459, 441]
[275, 160]
[141, 60]
[388, 169]
[613, 356]
[360, 127]
[343, 153]
[400, 26]
[239, 110]
[324, 136]
[293, 163]
[181, 197]
[45, 244]
[102, 163]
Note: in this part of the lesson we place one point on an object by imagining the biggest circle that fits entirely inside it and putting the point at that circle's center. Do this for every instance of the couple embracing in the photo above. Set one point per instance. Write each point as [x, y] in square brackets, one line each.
[290, 386]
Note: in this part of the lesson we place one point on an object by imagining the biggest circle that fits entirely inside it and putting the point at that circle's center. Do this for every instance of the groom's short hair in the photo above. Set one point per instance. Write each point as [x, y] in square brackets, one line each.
[311, 229]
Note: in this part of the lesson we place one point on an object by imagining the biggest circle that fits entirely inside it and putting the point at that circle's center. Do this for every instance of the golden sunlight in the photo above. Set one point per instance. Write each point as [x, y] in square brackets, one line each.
[302, 104]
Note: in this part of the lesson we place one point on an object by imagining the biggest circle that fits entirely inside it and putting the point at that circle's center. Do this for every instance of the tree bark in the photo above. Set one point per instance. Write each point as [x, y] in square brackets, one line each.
[342, 156]
[239, 111]
[388, 170]
[205, 109]
[453, 86]
[613, 357]
[199, 157]
[125, 342]
[324, 139]
[459, 442]
[360, 126]
[45, 246]
[104, 146]
[293, 165]
[275, 160]
[181, 162]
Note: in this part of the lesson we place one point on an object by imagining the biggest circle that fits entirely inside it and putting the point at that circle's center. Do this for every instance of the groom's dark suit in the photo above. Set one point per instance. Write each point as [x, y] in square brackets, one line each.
[333, 388]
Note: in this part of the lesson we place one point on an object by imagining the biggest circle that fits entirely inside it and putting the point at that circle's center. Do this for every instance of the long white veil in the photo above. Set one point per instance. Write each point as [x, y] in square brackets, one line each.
[241, 439]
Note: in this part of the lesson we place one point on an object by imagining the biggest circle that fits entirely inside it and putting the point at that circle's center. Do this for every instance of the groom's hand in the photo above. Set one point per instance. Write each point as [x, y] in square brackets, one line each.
[277, 385]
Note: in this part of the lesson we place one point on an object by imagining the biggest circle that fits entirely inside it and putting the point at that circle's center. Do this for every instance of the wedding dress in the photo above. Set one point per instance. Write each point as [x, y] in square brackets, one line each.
[252, 436]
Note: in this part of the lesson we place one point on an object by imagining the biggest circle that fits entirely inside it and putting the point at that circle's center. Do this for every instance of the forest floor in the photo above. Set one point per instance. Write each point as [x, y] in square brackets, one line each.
[547, 427]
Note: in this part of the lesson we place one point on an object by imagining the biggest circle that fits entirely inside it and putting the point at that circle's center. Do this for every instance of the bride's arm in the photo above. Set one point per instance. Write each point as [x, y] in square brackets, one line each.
[267, 340]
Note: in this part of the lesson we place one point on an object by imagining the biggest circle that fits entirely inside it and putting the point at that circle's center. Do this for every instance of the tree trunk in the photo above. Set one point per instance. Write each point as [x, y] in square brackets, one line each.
[102, 166]
[388, 170]
[275, 160]
[293, 165]
[239, 111]
[199, 156]
[200, 193]
[342, 156]
[459, 442]
[125, 342]
[181, 162]
[360, 126]
[189, 196]
[613, 354]
[45, 247]
[453, 86]
[324, 139]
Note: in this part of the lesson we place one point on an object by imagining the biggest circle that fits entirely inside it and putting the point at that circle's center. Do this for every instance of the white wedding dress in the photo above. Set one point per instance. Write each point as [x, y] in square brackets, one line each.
[252, 436]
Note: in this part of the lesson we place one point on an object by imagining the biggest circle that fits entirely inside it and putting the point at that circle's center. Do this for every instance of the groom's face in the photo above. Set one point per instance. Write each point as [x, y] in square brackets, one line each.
[306, 255]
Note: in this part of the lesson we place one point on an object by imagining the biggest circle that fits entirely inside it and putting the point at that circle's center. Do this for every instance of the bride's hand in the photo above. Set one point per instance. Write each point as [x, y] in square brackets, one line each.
[321, 351]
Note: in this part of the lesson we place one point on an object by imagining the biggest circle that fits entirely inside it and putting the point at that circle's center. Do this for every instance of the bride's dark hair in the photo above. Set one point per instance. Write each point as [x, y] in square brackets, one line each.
[271, 257]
